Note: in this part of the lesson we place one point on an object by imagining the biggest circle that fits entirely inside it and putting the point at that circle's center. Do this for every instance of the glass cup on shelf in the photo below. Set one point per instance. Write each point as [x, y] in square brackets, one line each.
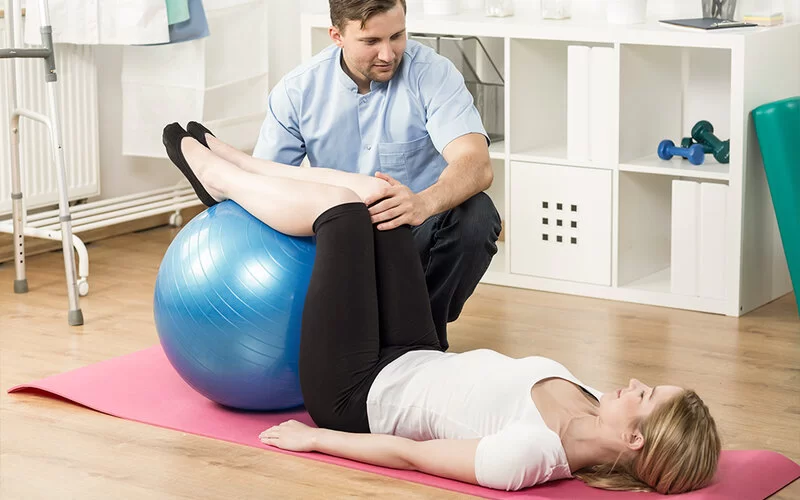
[556, 9]
[499, 8]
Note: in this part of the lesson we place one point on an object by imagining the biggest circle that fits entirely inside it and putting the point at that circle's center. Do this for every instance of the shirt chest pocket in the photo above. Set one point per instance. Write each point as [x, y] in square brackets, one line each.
[399, 159]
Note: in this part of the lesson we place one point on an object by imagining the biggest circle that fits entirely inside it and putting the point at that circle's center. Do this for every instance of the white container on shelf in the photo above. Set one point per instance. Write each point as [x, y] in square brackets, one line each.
[556, 9]
[626, 11]
[442, 7]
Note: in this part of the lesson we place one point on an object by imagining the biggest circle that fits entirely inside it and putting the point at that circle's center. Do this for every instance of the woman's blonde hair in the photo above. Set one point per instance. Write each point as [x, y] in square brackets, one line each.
[680, 452]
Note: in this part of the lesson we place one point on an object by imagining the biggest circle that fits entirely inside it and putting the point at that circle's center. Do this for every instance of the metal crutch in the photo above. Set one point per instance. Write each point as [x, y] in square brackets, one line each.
[53, 123]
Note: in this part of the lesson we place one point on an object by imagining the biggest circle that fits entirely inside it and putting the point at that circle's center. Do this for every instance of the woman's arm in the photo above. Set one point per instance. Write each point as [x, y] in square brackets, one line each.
[450, 458]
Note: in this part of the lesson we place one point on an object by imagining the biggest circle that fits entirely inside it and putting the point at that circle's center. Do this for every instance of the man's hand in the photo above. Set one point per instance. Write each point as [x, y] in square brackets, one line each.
[399, 206]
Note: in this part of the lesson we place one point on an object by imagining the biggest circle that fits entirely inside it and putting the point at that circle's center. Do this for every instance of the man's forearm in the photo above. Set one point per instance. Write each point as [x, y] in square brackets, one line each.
[376, 449]
[458, 182]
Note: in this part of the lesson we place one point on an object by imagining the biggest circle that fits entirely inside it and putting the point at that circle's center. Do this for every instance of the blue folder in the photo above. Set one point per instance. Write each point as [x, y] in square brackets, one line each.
[194, 28]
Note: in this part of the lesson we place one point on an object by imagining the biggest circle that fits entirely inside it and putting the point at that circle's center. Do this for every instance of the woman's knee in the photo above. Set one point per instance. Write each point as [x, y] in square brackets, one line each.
[373, 188]
[340, 195]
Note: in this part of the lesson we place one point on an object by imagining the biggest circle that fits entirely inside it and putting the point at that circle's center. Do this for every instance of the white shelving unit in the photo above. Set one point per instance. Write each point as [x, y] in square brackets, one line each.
[604, 230]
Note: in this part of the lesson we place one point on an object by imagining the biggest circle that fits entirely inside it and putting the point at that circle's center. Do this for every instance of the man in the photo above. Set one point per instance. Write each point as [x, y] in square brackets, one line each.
[378, 104]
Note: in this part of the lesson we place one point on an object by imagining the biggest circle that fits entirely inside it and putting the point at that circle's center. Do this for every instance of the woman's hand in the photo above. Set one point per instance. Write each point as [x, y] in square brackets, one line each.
[290, 435]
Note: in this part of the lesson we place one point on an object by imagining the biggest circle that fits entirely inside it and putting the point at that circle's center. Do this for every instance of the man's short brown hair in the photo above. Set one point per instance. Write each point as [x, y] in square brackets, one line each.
[359, 10]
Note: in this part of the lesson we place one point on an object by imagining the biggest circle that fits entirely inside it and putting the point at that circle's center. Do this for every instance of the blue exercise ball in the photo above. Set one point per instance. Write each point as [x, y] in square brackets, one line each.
[228, 304]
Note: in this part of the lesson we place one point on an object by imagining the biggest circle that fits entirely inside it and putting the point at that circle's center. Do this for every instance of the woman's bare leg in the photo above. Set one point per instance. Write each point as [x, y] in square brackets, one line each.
[287, 205]
[363, 185]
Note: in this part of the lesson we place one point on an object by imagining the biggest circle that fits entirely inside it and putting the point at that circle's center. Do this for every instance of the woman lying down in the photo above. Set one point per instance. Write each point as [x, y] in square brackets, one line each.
[377, 384]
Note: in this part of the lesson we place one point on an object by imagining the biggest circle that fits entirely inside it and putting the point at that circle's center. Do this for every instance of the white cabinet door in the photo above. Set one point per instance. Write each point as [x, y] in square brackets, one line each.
[560, 222]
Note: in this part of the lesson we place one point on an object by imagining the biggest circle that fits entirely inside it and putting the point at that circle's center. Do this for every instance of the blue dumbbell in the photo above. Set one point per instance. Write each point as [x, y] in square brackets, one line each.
[694, 153]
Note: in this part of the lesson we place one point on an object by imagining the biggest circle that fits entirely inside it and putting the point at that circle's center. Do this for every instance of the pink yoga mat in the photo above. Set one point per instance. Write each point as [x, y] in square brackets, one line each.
[144, 387]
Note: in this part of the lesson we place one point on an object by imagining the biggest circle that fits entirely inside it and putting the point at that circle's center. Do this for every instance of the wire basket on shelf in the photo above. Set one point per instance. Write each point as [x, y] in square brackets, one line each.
[482, 77]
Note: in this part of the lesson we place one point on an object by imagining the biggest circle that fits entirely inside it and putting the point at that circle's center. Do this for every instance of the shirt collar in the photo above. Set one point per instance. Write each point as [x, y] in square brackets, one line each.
[348, 82]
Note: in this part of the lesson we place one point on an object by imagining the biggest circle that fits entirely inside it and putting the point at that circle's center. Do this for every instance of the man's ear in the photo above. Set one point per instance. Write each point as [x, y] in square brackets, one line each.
[336, 36]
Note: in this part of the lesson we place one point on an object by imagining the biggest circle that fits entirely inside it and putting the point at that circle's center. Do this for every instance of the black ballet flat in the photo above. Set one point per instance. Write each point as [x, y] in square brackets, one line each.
[172, 137]
[198, 132]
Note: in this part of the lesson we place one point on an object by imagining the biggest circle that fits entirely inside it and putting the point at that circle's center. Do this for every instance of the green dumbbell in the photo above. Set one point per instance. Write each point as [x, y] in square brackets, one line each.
[703, 133]
[687, 142]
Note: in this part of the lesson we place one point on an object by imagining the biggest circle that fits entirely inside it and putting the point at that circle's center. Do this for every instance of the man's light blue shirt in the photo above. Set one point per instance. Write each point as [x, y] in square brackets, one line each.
[399, 128]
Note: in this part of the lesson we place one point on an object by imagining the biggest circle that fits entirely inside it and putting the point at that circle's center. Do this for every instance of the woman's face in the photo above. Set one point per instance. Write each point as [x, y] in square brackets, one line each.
[621, 409]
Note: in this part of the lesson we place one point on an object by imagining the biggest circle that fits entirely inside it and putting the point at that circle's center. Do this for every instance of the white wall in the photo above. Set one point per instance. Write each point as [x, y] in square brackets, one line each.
[284, 37]
[119, 174]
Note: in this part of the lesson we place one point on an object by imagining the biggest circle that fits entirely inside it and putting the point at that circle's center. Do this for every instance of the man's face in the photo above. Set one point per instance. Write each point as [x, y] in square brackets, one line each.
[373, 53]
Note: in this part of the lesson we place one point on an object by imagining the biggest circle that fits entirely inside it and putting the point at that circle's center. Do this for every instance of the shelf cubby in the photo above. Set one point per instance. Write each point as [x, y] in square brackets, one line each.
[645, 203]
[646, 232]
[664, 91]
[538, 100]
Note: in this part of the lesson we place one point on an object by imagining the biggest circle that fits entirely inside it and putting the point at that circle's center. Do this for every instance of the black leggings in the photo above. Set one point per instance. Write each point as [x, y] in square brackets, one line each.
[367, 304]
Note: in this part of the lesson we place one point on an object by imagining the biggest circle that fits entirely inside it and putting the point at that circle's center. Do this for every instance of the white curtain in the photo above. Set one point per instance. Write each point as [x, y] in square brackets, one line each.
[220, 81]
[106, 22]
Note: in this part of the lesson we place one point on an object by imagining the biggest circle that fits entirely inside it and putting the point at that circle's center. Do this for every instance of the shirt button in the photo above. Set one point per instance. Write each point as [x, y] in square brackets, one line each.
[369, 148]
[364, 100]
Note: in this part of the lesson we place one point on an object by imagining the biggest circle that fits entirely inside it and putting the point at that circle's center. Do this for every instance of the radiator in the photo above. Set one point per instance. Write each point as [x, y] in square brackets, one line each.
[77, 86]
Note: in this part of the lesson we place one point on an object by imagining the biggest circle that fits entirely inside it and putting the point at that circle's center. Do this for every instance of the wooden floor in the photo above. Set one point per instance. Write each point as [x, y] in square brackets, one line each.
[747, 370]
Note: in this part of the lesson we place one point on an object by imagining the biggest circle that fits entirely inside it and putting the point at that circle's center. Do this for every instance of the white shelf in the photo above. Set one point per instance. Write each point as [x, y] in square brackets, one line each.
[658, 282]
[678, 167]
[666, 79]
[554, 154]
[497, 150]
